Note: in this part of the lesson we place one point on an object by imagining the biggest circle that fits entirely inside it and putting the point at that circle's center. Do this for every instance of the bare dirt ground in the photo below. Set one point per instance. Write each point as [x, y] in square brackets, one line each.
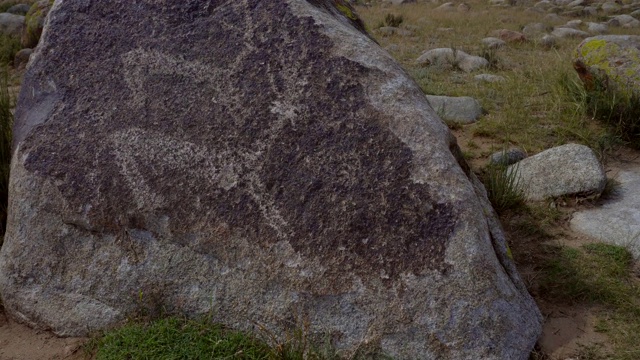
[19, 342]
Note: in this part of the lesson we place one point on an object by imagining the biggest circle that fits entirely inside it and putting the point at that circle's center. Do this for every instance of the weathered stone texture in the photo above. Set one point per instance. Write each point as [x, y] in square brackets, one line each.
[262, 161]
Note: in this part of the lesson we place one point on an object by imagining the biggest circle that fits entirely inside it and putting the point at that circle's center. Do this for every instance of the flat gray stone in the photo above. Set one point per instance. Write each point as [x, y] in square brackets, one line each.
[19, 9]
[597, 28]
[459, 110]
[493, 43]
[564, 32]
[617, 221]
[11, 24]
[453, 58]
[489, 78]
[507, 157]
[570, 169]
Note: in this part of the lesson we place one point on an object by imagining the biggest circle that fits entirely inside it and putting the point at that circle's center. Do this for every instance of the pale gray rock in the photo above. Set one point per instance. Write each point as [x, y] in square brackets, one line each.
[564, 32]
[507, 157]
[610, 7]
[617, 221]
[534, 29]
[454, 58]
[19, 9]
[590, 10]
[597, 28]
[570, 169]
[635, 14]
[400, 2]
[493, 43]
[553, 18]
[21, 58]
[278, 170]
[387, 30]
[575, 3]
[458, 110]
[448, 6]
[573, 24]
[625, 21]
[11, 24]
[548, 41]
[488, 78]
[463, 7]
[544, 4]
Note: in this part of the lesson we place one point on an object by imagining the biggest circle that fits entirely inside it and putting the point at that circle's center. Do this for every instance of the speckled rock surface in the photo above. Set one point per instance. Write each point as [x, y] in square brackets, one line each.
[570, 169]
[617, 220]
[263, 162]
[456, 109]
[611, 59]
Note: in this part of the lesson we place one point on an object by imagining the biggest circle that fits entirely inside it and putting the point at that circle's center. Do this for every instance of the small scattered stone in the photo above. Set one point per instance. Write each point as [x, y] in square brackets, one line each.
[563, 32]
[625, 21]
[387, 30]
[553, 18]
[21, 58]
[488, 78]
[493, 43]
[507, 157]
[548, 41]
[573, 24]
[459, 110]
[569, 169]
[463, 7]
[448, 6]
[448, 57]
[610, 7]
[19, 9]
[11, 24]
[597, 28]
[509, 35]
[534, 29]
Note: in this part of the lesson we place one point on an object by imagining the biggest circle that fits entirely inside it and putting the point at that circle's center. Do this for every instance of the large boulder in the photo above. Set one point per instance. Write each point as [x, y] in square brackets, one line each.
[262, 162]
[610, 62]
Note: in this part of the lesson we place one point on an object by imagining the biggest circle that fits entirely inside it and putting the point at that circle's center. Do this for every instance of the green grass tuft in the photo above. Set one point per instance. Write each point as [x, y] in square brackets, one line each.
[174, 338]
[619, 111]
[393, 20]
[502, 188]
[9, 46]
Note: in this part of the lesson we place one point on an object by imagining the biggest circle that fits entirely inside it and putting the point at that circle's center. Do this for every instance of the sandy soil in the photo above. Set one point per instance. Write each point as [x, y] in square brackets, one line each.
[19, 342]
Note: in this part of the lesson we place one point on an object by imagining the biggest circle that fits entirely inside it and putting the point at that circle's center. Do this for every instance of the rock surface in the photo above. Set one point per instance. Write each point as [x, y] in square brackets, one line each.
[569, 169]
[459, 110]
[613, 60]
[617, 221]
[281, 169]
[11, 24]
[453, 58]
[507, 157]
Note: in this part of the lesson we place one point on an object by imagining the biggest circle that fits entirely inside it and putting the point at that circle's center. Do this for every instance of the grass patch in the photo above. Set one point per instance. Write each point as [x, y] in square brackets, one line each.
[174, 338]
[5, 5]
[618, 110]
[503, 188]
[599, 274]
[179, 338]
[9, 46]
